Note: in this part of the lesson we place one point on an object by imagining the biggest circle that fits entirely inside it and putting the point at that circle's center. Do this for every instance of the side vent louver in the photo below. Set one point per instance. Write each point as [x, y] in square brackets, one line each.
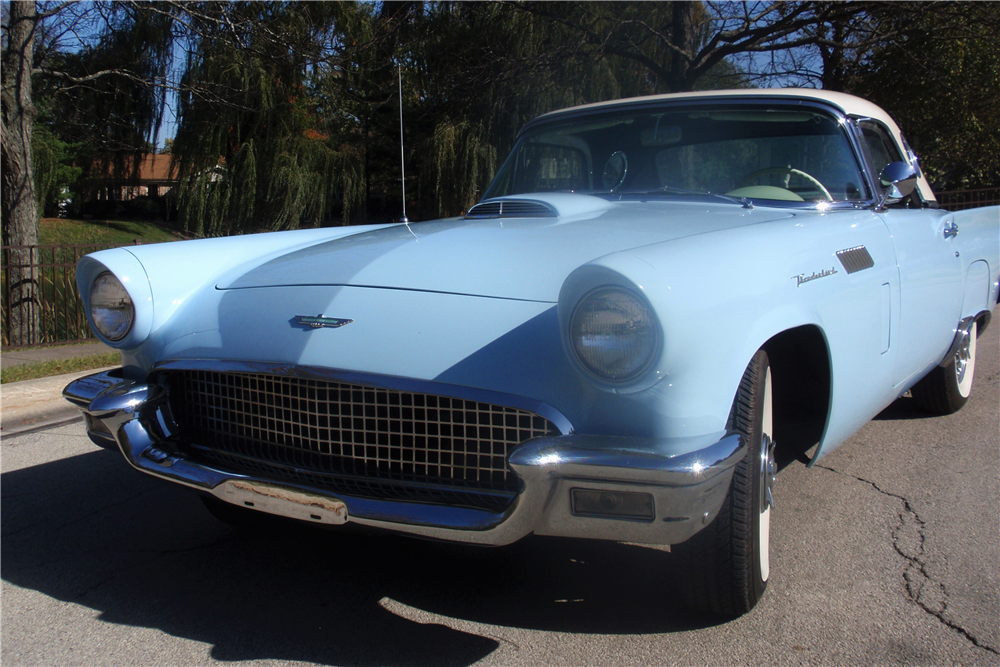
[855, 259]
[512, 208]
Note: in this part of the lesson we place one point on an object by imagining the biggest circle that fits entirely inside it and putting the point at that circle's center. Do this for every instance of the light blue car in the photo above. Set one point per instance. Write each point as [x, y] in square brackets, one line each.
[656, 301]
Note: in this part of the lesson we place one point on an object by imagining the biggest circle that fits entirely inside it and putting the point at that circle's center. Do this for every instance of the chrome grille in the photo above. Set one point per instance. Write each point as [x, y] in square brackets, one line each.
[352, 439]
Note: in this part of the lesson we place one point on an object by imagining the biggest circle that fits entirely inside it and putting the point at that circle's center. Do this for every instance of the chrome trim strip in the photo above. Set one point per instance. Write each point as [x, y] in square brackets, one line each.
[371, 380]
[867, 170]
[688, 489]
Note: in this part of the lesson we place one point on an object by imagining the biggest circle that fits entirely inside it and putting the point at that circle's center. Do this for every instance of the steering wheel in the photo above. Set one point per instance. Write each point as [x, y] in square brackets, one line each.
[615, 170]
[788, 172]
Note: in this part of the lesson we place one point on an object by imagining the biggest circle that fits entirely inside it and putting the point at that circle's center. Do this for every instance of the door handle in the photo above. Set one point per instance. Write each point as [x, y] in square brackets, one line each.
[950, 230]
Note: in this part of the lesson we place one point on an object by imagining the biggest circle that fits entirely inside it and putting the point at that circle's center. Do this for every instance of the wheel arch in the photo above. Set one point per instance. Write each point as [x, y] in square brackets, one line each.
[802, 384]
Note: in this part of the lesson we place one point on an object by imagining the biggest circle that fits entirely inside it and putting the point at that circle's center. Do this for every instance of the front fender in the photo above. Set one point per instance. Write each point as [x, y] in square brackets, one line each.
[722, 296]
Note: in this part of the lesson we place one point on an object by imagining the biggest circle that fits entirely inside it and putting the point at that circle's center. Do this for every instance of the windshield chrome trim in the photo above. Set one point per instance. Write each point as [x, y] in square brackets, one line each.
[822, 106]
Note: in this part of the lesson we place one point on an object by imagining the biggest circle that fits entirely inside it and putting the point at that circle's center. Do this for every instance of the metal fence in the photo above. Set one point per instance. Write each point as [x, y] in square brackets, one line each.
[41, 305]
[958, 200]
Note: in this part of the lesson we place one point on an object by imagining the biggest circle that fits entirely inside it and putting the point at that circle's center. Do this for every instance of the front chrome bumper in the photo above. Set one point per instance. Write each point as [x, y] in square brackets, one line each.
[687, 489]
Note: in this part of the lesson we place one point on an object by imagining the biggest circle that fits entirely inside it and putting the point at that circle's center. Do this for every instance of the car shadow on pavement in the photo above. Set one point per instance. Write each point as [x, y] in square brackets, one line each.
[903, 408]
[89, 530]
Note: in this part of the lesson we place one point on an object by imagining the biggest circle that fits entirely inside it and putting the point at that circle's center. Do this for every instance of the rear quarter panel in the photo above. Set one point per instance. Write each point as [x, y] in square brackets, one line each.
[978, 243]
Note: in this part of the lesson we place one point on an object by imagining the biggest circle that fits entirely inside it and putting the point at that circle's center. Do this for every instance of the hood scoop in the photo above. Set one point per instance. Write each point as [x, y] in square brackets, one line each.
[540, 205]
[511, 208]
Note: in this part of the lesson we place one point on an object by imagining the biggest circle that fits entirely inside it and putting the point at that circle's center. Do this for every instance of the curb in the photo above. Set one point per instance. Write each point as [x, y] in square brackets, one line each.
[31, 405]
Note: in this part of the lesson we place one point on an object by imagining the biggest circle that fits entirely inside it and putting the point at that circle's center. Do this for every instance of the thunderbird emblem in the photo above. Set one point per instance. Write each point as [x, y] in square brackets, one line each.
[319, 321]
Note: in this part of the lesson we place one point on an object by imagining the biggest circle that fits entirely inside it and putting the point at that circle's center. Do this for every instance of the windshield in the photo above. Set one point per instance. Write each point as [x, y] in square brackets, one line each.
[758, 152]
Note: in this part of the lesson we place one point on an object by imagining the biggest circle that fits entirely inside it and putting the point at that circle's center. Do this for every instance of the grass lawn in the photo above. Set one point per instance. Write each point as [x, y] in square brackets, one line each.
[64, 231]
[44, 369]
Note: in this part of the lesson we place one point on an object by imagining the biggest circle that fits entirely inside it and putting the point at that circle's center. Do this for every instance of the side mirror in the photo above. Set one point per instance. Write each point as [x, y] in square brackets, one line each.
[898, 179]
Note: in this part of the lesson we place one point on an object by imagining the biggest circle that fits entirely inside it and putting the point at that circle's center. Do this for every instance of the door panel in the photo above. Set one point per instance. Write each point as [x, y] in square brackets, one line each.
[930, 288]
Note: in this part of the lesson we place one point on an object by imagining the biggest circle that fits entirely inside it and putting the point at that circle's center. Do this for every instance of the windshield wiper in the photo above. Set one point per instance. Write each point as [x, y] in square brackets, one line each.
[742, 201]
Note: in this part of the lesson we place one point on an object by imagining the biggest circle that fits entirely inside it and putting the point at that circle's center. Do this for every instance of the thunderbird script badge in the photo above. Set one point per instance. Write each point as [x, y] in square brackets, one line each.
[319, 321]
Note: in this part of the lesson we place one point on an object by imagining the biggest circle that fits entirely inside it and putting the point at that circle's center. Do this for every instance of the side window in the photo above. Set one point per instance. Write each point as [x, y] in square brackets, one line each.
[879, 145]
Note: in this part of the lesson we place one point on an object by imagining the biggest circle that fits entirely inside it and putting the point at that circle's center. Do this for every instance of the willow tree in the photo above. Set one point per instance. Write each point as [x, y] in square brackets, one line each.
[255, 147]
[473, 74]
[479, 71]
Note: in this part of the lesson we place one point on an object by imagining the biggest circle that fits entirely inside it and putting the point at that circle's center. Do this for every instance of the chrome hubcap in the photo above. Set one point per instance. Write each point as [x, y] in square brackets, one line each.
[768, 470]
[962, 357]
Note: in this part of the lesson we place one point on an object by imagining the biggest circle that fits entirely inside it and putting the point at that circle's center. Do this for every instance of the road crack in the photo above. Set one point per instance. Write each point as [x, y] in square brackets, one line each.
[908, 540]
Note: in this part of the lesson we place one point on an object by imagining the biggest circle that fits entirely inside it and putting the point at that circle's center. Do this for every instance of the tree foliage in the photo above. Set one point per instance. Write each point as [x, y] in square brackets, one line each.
[103, 101]
[288, 113]
[254, 149]
[938, 74]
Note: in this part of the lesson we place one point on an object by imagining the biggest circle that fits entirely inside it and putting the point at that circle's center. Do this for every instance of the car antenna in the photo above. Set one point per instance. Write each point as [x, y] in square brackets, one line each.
[402, 153]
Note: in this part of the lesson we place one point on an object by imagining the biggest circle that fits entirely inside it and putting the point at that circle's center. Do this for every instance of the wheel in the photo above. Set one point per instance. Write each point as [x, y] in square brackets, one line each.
[725, 568]
[946, 388]
[789, 172]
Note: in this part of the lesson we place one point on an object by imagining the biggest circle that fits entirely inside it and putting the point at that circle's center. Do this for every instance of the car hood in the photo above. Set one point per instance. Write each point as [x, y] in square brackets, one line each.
[511, 258]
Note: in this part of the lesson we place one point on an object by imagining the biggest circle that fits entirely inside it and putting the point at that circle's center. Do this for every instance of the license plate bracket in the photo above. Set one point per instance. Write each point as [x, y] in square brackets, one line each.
[283, 501]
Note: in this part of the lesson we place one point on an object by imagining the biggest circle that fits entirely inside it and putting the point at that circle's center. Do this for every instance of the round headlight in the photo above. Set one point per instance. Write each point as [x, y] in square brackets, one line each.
[111, 307]
[613, 334]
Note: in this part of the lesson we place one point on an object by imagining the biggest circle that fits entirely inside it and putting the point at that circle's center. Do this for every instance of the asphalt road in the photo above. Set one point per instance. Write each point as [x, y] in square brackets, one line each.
[886, 552]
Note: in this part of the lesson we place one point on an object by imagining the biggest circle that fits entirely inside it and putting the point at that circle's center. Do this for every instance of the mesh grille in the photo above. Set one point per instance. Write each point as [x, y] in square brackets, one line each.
[354, 439]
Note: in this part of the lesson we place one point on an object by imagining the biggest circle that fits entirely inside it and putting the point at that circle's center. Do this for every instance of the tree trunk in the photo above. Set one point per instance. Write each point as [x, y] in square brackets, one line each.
[19, 207]
[834, 67]
[684, 38]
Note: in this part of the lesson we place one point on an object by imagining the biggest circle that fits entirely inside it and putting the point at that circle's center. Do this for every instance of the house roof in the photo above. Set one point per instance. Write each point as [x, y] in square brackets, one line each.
[157, 168]
[152, 169]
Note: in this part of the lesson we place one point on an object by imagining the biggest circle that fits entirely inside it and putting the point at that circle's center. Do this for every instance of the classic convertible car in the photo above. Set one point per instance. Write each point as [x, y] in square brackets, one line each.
[656, 300]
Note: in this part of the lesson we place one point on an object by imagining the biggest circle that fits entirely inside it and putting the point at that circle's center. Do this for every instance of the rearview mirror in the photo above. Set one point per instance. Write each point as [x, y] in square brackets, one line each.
[898, 180]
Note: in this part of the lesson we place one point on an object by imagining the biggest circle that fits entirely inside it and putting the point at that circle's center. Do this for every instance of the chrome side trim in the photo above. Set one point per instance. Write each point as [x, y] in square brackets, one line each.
[688, 488]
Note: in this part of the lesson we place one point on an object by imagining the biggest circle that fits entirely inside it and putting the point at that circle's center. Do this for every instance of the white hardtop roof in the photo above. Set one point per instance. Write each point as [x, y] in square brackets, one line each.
[849, 104]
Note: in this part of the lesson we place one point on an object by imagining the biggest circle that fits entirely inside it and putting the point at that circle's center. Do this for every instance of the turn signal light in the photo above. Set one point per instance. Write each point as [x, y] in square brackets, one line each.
[615, 504]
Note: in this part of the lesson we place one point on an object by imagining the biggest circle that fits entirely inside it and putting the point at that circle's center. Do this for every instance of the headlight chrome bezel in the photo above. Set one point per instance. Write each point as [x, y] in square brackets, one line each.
[648, 335]
[126, 305]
